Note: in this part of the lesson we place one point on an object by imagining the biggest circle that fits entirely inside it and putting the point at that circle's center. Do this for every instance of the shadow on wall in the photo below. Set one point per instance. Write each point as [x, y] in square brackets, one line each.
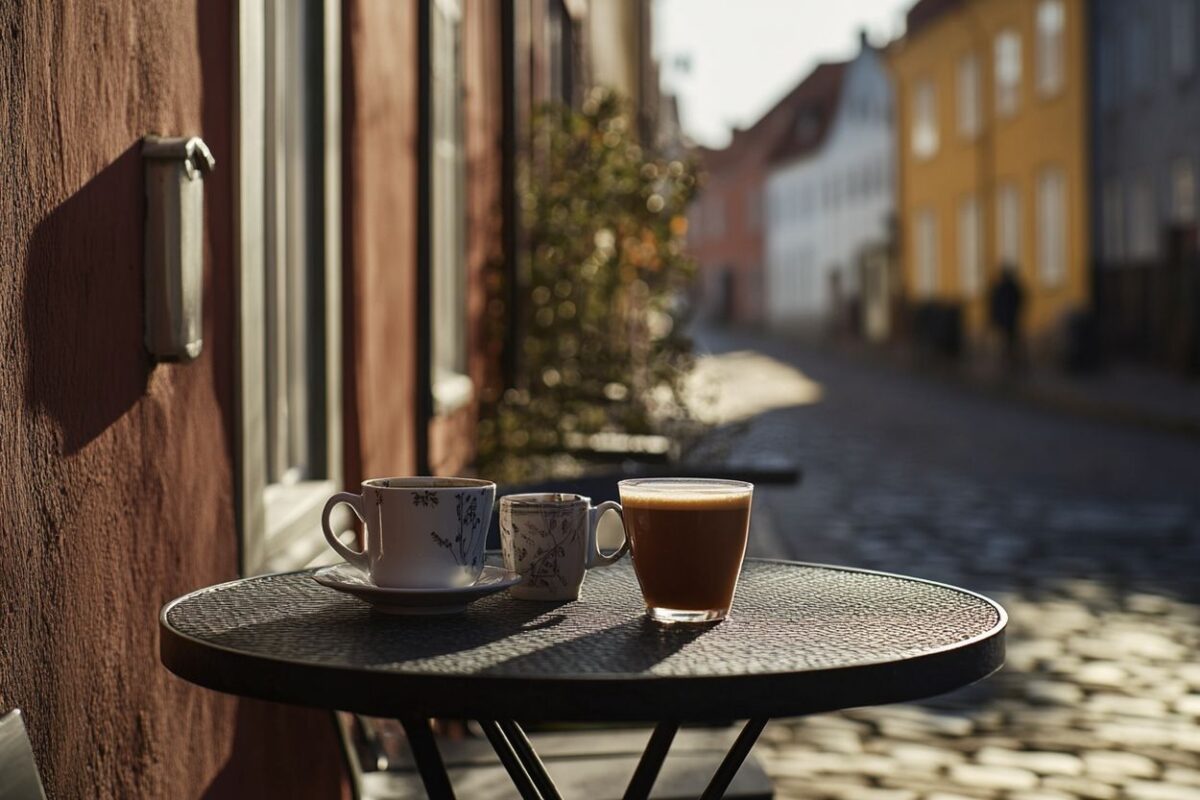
[86, 364]
[263, 758]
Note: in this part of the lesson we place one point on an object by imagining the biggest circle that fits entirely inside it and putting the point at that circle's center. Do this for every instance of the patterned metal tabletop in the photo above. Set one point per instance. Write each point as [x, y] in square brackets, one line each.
[801, 638]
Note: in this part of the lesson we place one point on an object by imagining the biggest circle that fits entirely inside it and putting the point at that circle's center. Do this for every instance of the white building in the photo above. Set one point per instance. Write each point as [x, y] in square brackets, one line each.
[830, 194]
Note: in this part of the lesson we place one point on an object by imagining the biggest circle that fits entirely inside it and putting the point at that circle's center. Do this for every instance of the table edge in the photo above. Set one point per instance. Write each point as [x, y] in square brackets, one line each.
[583, 695]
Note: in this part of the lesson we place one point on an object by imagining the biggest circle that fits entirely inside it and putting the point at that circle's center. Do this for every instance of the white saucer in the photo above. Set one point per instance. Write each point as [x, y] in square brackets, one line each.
[450, 600]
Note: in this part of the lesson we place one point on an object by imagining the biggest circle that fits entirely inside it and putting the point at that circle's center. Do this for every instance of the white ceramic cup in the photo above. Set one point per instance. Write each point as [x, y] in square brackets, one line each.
[550, 540]
[422, 533]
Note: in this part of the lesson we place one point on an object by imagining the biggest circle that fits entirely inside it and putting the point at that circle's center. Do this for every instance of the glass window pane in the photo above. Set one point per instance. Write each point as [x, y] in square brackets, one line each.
[447, 268]
[925, 241]
[1051, 20]
[1051, 233]
[970, 263]
[293, 263]
[968, 95]
[1008, 226]
[924, 114]
[1008, 72]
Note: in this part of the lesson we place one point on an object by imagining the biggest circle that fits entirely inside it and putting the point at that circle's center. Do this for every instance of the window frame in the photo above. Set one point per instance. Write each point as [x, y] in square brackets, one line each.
[1050, 46]
[279, 525]
[968, 86]
[450, 385]
[1052, 215]
[970, 248]
[924, 131]
[925, 243]
[1008, 221]
[1007, 93]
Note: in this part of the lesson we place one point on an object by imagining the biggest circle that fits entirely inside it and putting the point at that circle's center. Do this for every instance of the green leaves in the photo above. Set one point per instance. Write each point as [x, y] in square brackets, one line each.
[604, 283]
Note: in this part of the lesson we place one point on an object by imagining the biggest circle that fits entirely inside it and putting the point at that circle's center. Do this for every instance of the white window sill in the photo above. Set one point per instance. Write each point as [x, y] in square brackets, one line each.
[294, 538]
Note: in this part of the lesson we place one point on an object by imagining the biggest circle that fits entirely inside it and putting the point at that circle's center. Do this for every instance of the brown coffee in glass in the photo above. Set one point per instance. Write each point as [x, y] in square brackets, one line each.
[687, 537]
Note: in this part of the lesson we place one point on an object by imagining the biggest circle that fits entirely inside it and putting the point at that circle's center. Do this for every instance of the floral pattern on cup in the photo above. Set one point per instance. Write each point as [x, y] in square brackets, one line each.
[550, 540]
[464, 546]
[421, 532]
[542, 542]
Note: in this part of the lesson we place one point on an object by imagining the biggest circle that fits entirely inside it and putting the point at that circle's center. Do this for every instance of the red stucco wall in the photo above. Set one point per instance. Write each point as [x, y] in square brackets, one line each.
[381, 178]
[116, 486]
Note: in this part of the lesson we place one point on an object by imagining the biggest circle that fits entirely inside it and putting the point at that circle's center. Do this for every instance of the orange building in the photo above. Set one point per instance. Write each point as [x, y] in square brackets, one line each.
[992, 124]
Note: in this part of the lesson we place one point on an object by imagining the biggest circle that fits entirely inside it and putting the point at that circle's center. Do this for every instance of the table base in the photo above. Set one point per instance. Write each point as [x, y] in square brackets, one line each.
[529, 774]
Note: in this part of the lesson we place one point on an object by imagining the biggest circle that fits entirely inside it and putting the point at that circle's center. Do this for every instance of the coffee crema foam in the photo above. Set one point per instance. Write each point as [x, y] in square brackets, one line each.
[685, 497]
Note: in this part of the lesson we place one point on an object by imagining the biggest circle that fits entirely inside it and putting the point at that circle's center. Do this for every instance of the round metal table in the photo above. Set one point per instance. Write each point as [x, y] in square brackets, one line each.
[801, 639]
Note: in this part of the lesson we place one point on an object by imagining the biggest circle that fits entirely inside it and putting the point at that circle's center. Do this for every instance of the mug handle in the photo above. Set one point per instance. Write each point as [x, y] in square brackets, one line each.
[595, 557]
[355, 557]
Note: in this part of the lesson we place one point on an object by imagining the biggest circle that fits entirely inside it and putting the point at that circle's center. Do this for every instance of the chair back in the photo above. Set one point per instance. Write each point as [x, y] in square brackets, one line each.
[19, 779]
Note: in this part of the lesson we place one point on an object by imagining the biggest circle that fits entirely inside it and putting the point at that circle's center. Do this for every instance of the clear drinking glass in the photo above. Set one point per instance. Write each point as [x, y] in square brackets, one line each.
[688, 539]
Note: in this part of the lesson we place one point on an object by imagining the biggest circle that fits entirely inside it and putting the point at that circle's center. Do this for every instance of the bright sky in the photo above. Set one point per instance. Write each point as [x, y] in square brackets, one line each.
[730, 60]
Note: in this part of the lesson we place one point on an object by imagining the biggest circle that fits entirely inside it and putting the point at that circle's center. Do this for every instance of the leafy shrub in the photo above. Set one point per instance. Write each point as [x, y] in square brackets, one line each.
[602, 346]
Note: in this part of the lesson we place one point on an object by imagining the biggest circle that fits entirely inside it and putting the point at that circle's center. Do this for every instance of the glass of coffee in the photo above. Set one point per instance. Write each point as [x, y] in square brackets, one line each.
[688, 538]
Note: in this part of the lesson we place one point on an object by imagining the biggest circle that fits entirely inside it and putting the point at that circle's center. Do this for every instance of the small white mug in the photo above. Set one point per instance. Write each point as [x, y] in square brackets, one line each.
[550, 540]
[422, 533]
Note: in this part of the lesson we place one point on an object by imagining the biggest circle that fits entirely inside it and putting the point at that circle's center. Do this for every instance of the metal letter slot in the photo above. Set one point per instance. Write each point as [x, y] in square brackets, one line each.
[174, 259]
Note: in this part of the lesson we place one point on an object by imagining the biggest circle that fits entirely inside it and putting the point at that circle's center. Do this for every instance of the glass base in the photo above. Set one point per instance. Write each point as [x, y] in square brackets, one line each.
[672, 616]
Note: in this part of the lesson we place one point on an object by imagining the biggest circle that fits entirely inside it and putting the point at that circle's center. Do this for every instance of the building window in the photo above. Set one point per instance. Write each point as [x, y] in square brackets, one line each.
[1142, 239]
[1112, 212]
[1140, 52]
[968, 96]
[1008, 226]
[925, 240]
[1183, 37]
[447, 271]
[1052, 226]
[289, 273]
[1051, 22]
[924, 119]
[1183, 191]
[1008, 72]
[970, 259]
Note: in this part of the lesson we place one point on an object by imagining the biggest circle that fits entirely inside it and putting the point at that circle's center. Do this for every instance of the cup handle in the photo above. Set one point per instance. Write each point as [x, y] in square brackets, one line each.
[595, 557]
[355, 501]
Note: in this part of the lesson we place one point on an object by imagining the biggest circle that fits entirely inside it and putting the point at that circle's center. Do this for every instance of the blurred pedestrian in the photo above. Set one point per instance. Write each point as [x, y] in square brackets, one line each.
[1007, 298]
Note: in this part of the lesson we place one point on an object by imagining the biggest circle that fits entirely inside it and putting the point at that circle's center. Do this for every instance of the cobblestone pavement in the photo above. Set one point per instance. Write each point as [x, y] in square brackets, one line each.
[1089, 535]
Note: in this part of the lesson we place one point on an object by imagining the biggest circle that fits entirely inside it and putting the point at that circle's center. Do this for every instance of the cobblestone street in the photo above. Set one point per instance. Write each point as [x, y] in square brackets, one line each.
[1089, 534]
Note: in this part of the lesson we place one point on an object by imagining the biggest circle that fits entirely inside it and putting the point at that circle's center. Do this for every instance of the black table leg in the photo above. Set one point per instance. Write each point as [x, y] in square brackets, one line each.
[733, 760]
[510, 760]
[529, 759]
[428, 759]
[651, 761]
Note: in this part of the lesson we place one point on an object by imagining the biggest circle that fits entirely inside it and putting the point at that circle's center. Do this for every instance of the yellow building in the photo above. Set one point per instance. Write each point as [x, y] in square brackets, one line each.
[992, 127]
